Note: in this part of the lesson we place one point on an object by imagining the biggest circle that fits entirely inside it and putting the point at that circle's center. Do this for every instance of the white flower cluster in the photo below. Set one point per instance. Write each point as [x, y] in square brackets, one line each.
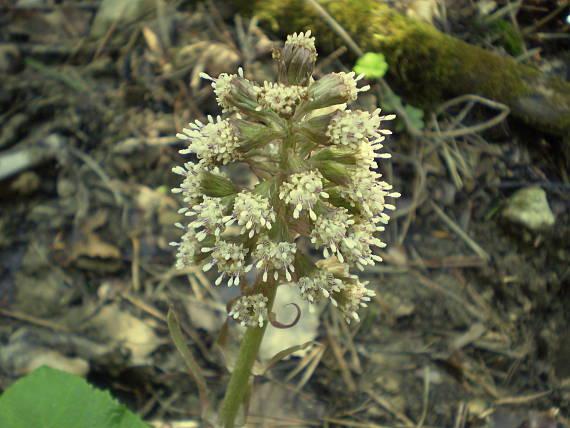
[317, 186]
[222, 88]
[276, 256]
[252, 212]
[350, 83]
[213, 142]
[187, 248]
[367, 190]
[250, 311]
[229, 259]
[329, 232]
[280, 98]
[320, 283]
[208, 216]
[303, 190]
[190, 187]
[355, 295]
[302, 39]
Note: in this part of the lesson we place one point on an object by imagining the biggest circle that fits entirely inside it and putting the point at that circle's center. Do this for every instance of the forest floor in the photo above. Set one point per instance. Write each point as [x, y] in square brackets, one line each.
[470, 325]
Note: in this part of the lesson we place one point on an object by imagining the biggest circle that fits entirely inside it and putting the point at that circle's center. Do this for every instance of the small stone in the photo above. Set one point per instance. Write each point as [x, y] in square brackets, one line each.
[529, 207]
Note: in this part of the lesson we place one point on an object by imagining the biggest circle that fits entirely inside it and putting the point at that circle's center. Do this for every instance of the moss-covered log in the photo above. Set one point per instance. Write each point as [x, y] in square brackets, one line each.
[427, 64]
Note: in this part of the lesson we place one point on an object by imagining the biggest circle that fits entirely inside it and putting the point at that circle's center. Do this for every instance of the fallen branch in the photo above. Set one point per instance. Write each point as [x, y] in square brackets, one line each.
[426, 63]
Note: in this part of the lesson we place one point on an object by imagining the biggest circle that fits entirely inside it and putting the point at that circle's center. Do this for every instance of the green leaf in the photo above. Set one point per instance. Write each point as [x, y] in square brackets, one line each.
[415, 114]
[49, 398]
[372, 65]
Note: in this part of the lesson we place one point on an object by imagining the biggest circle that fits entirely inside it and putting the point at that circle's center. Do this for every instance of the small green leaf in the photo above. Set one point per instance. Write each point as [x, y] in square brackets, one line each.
[50, 398]
[416, 116]
[372, 65]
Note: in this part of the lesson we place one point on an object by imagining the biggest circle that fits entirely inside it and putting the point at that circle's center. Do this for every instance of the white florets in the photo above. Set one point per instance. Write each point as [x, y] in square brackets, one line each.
[351, 128]
[190, 187]
[367, 190]
[303, 190]
[320, 283]
[252, 212]
[276, 256]
[354, 296]
[187, 247]
[356, 246]
[229, 258]
[208, 215]
[302, 39]
[215, 141]
[281, 98]
[329, 231]
[351, 90]
[222, 88]
[250, 311]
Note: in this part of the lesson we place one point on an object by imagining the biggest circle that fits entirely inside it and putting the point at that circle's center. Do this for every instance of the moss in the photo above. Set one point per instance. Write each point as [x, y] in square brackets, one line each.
[427, 65]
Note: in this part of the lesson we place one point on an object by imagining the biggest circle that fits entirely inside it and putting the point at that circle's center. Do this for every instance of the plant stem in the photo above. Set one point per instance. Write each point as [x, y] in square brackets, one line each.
[239, 381]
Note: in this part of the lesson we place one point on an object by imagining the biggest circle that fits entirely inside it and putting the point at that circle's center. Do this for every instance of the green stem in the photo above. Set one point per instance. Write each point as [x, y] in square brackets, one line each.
[239, 381]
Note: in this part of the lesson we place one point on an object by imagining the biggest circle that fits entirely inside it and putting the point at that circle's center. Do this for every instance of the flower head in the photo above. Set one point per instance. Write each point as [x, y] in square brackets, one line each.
[234, 91]
[208, 216]
[367, 190]
[321, 283]
[303, 190]
[352, 297]
[229, 257]
[281, 98]
[190, 187]
[276, 256]
[330, 231]
[250, 311]
[215, 141]
[252, 212]
[188, 247]
[315, 186]
[356, 246]
[335, 88]
[297, 59]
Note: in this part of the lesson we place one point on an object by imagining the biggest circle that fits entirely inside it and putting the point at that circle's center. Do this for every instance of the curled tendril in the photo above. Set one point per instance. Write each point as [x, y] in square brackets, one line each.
[277, 324]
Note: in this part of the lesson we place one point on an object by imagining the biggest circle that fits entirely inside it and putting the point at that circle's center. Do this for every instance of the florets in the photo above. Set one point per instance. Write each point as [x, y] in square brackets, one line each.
[303, 190]
[316, 187]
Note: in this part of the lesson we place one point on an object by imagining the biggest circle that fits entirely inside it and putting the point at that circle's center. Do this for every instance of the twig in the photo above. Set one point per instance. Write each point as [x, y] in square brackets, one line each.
[459, 232]
[425, 398]
[336, 27]
[531, 28]
[34, 320]
[91, 163]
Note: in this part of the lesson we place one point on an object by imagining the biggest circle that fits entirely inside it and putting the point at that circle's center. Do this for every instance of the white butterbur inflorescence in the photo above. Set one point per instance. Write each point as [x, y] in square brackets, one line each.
[316, 186]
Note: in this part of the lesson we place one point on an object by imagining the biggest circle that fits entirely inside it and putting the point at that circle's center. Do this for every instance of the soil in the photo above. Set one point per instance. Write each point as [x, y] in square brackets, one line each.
[470, 325]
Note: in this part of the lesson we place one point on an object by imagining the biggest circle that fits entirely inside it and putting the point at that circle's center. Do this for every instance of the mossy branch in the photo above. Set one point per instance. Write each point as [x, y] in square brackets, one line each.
[426, 63]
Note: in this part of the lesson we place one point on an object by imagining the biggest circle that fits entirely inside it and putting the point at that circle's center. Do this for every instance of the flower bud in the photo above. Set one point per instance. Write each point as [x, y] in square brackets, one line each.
[253, 135]
[296, 60]
[343, 156]
[351, 297]
[315, 128]
[233, 91]
[216, 186]
[332, 89]
[334, 171]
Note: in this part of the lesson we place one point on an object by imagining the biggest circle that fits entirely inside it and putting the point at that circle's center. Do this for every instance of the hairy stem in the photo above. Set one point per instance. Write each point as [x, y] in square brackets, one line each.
[239, 381]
